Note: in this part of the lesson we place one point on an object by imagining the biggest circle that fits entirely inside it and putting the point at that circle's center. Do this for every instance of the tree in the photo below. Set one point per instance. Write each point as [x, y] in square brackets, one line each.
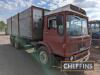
[2, 26]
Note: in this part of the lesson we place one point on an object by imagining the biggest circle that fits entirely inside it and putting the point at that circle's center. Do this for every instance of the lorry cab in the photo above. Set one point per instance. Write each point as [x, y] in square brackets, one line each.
[56, 35]
[94, 31]
[94, 26]
[66, 33]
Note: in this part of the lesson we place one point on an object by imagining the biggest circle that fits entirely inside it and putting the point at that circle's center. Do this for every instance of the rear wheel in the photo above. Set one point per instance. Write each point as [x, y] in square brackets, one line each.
[46, 59]
[17, 45]
[12, 42]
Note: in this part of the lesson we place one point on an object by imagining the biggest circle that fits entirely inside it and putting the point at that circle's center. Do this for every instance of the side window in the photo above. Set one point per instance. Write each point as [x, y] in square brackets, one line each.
[52, 23]
[92, 26]
[56, 22]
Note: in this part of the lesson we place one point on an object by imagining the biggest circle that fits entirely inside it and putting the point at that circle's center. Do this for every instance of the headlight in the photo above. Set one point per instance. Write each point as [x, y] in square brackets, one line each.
[71, 58]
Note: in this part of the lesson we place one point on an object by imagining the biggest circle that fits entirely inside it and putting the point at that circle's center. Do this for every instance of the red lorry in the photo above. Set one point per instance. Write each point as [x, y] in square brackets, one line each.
[57, 35]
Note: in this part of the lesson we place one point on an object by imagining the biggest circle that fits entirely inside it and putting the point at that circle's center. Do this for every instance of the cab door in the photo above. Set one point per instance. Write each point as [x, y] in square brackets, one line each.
[54, 33]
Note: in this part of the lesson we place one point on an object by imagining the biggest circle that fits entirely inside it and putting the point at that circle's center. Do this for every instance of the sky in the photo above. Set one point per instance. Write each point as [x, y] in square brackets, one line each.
[9, 8]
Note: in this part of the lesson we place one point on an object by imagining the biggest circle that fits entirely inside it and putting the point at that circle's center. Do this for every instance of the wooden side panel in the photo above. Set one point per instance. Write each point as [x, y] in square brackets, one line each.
[15, 25]
[25, 24]
[9, 26]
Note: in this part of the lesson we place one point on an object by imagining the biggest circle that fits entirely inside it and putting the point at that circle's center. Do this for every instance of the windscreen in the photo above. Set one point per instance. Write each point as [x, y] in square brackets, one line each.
[95, 27]
[76, 26]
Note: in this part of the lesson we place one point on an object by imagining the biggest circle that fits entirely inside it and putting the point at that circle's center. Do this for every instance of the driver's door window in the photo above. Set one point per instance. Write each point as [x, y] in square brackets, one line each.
[52, 23]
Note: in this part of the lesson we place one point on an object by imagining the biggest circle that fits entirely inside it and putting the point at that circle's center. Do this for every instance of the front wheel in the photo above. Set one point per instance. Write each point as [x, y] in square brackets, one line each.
[45, 58]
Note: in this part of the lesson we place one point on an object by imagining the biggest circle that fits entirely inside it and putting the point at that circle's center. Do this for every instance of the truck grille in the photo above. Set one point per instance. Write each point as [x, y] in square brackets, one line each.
[76, 48]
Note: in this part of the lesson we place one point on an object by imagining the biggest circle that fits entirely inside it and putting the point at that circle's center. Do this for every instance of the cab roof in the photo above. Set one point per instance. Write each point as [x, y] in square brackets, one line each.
[94, 21]
[68, 7]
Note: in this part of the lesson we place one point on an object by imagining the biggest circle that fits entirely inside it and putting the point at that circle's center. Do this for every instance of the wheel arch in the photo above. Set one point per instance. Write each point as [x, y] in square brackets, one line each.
[49, 49]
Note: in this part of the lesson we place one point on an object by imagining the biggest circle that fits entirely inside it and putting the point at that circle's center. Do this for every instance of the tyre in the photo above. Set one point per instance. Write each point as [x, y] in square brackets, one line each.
[17, 45]
[12, 42]
[44, 58]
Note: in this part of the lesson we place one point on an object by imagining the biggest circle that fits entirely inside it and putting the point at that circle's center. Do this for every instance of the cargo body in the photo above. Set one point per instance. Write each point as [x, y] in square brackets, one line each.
[27, 24]
[50, 33]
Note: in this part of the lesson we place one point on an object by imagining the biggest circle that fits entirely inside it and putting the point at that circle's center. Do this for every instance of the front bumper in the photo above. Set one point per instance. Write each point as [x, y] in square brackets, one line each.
[82, 56]
[85, 58]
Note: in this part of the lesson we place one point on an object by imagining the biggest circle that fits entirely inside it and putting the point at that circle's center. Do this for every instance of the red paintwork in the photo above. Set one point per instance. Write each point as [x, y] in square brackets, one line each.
[61, 45]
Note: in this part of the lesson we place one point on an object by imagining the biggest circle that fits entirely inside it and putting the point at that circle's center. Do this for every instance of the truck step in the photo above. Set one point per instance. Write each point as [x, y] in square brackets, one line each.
[31, 50]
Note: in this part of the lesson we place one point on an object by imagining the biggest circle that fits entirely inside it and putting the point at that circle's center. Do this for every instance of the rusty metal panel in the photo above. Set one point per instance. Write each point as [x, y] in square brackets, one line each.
[9, 26]
[30, 23]
[15, 25]
[37, 14]
[37, 24]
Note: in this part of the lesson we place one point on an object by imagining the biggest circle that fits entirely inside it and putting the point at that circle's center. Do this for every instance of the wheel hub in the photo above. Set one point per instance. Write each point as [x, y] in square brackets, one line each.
[43, 57]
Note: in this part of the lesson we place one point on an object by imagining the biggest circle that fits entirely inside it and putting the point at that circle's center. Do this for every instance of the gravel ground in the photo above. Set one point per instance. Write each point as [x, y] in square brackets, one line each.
[18, 62]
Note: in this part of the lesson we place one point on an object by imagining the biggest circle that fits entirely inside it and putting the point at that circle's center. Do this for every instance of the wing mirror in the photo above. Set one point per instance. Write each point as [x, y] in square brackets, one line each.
[60, 24]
